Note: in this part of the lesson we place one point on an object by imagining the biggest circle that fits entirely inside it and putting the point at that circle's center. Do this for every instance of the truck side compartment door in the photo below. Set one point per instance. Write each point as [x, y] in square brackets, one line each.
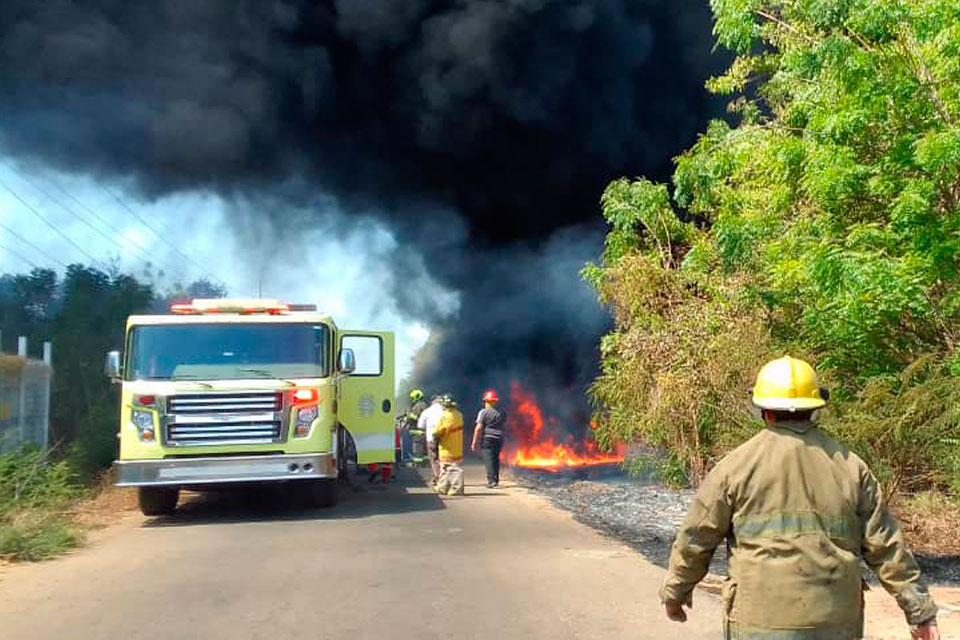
[366, 404]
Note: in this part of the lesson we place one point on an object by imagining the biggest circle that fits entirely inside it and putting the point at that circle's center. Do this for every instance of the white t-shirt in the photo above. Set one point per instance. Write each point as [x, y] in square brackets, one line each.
[429, 419]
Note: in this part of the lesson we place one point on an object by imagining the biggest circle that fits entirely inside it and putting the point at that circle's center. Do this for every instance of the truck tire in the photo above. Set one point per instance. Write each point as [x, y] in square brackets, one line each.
[319, 494]
[158, 501]
[346, 454]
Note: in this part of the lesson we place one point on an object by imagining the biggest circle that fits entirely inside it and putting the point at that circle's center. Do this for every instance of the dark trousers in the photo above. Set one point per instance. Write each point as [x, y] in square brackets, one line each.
[406, 445]
[491, 459]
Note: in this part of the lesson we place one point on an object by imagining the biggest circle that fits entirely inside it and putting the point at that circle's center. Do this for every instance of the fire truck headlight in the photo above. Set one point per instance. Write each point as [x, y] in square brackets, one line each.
[305, 418]
[308, 414]
[143, 421]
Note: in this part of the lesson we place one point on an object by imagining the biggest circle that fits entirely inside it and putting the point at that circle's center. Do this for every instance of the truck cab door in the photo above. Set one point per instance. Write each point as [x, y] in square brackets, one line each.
[366, 397]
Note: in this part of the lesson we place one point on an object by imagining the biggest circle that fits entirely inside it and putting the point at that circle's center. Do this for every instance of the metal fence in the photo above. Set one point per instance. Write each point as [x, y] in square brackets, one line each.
[24, 402]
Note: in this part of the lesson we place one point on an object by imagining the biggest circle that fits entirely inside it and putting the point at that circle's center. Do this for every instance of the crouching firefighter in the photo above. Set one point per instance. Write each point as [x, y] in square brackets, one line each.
[798, 511]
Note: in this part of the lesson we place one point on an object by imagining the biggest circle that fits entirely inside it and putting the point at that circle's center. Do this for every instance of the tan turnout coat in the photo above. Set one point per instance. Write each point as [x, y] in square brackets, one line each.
[449, 435]
[798, 511]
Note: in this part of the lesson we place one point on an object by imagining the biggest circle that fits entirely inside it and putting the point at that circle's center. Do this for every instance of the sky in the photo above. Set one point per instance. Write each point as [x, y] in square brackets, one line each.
[345, 269]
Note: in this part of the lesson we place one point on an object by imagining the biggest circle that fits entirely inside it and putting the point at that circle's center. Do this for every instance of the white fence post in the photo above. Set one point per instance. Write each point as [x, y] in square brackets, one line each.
[21, 404]
[45, 410]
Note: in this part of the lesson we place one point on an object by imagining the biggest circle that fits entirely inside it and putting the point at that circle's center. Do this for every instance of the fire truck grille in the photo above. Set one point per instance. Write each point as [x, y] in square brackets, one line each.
[224, 418]
[252, 402]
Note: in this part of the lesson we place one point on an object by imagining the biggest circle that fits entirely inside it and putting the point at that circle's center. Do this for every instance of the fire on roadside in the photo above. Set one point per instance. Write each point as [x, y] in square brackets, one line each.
[530, 445]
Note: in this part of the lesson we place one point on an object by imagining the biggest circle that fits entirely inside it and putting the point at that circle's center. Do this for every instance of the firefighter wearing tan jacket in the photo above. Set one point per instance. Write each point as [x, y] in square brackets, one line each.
[798, 512]
[449, 436]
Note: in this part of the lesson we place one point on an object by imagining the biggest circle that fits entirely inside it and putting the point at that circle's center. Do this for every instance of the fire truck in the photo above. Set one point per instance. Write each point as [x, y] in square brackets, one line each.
[227, 392]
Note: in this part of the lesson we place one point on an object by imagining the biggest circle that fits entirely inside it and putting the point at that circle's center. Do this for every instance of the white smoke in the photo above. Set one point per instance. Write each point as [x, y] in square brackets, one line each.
[318, 254]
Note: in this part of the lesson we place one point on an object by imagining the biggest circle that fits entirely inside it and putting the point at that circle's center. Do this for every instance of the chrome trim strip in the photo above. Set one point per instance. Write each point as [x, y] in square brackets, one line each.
[225, 469]
[255, 406]
[224, 418]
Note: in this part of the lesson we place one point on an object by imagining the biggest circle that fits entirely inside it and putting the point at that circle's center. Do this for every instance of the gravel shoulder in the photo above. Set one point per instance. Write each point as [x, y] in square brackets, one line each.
[643, 515]
[646, 516]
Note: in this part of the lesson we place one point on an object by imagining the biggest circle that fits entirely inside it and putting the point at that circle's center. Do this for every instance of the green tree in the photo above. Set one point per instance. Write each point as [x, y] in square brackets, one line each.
[91, 320]
[827, 209]
[181, 292]
[28, 303]
[84, 314]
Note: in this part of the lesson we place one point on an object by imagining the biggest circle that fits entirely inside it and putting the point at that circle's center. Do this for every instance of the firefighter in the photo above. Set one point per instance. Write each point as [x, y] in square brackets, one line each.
[417, 405]
[798, 512]
[427, 423]
[409, 431]
[488, 436]
[449, 436]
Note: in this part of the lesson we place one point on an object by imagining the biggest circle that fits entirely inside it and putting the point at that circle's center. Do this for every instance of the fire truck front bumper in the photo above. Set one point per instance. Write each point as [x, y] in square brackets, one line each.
[223, 469]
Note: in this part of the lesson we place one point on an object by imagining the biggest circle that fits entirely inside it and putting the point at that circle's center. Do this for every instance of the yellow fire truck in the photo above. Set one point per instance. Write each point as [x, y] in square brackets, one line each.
[249, 391]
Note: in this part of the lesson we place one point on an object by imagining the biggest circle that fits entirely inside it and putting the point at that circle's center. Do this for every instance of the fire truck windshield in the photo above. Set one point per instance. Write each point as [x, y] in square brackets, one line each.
[227, 351]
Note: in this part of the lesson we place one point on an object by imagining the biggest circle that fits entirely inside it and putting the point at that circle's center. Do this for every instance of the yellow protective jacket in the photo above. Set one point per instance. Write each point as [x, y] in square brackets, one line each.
[449, 435]
[798, 511]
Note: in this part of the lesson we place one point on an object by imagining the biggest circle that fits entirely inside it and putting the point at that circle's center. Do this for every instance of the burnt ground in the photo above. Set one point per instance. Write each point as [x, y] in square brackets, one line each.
[645, 514]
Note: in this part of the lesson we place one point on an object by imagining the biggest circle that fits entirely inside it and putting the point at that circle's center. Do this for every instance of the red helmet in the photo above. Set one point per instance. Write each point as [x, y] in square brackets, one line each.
[491, 396]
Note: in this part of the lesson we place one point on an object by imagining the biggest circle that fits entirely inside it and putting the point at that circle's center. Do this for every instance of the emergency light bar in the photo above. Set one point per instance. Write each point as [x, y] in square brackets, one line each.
[203, 305]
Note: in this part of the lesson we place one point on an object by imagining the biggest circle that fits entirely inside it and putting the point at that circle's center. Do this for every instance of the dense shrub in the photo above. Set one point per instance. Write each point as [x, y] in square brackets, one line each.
[676, 372]
[822, 220]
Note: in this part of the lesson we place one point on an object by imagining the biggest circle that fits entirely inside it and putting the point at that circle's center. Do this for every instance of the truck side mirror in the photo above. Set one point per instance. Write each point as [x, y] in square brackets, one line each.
[112, 366]
[348, 362]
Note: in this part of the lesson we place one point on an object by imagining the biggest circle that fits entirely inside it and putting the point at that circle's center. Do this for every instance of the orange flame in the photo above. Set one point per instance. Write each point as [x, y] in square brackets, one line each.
[529, 447]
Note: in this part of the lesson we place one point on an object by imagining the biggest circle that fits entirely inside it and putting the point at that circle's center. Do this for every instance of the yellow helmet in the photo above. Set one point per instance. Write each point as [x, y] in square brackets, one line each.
[416, 394]
[787, 384]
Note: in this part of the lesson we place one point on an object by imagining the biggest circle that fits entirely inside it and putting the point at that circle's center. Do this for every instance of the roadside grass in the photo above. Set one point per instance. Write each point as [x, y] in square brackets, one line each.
[651, 465]
[33, 535]
[37, 497]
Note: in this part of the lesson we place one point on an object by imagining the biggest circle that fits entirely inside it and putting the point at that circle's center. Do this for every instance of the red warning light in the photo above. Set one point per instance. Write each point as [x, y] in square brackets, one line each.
[305, 396]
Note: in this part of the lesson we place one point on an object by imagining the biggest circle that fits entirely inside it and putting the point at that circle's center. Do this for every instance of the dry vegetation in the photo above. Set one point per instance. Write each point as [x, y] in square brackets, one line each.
[931, 522]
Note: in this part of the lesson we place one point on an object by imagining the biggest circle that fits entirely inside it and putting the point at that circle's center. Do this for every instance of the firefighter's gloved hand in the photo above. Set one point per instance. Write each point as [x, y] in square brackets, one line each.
[675, 611]
[926, 631]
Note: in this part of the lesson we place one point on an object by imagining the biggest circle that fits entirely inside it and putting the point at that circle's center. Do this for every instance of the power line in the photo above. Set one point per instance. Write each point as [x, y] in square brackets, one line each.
[33, 246]
[112, 241]
[93, 213]
[48, 223]
[21, 256]
[203, 271]
[158, 233]
[61, 205]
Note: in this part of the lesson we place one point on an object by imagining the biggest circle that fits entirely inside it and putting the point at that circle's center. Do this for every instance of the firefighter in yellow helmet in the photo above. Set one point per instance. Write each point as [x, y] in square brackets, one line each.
[798, 512]
[413, 444]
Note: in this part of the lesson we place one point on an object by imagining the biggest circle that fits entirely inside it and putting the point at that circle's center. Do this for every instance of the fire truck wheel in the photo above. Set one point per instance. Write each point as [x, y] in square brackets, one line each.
[158, 501]
[319, 494]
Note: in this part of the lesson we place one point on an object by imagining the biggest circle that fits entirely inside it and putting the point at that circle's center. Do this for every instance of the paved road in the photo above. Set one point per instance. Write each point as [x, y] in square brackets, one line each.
[385, 564]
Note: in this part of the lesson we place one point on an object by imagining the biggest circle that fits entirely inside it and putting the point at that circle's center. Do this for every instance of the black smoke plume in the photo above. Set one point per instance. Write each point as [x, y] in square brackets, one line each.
[475, 128]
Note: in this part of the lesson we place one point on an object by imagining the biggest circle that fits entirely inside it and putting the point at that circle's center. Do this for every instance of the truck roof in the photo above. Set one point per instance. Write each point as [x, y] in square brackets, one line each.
[234, 311]
[231, 318]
